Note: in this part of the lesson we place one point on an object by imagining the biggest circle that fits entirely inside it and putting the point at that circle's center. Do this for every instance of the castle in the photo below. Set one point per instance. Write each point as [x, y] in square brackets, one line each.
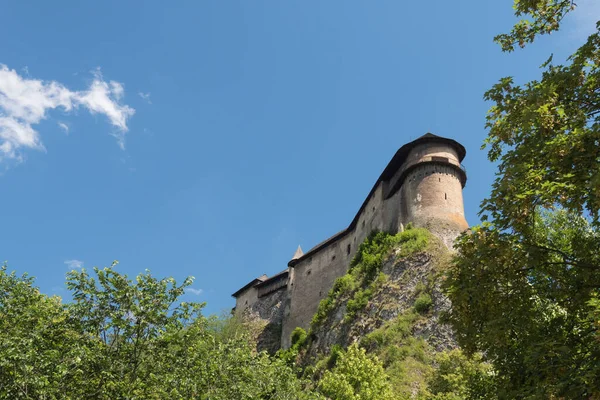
[422, 185]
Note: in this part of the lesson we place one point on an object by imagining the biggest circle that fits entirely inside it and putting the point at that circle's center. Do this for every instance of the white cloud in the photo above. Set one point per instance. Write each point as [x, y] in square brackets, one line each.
[73, 264]
[145, 96]
[64, 127]
[197, 292]
[25, 102]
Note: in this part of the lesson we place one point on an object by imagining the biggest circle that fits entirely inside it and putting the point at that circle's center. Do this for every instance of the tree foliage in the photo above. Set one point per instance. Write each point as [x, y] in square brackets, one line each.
[529, 306]
[525, 284]
[356, 376]
[124, 339]
[460, 377]
[546, 137]
[546, 16]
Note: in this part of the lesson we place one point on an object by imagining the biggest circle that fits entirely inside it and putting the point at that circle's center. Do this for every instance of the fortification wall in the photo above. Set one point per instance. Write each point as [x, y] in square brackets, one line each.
[266, 315]
[312, 277]
[246, 299]
[422, 184]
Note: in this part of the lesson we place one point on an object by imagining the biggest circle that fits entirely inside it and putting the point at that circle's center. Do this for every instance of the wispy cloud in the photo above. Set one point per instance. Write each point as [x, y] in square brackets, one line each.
[197, 292]
[64, 127]
[74, 264]
[145, 97]
[25, 102]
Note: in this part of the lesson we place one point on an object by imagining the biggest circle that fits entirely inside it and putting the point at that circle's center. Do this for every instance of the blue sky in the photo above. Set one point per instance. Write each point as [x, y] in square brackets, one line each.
[211, 138]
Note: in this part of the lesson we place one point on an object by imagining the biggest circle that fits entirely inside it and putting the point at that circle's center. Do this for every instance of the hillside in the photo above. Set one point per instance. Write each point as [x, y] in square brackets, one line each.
[390, 303]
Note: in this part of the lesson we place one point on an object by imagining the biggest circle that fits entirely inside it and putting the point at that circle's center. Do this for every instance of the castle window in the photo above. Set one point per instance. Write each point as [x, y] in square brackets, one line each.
[445, 196]
[333, 258]
[348, 249]
[363, 224]
[308, 272]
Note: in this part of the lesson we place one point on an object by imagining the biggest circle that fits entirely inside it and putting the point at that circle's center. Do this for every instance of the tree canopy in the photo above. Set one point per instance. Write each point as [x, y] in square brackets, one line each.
[127, 339]
[525, 285]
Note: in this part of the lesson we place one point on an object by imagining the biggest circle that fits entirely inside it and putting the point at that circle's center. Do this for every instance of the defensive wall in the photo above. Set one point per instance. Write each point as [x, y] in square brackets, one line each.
[422, 185]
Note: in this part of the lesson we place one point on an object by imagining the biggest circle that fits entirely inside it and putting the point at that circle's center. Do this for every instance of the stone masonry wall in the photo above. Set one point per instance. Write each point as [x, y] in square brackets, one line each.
[267, 315]
[426, 190]
[311, 278]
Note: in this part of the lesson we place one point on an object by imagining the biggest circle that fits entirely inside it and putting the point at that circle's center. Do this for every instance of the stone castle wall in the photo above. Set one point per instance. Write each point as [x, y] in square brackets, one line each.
[313, 276]
[421, 185]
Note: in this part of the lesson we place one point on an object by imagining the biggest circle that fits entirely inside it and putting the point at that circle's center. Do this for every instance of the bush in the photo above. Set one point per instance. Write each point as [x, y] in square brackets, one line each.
[299, 336]
[344, 284]
[423, 303]
[356, 376]
[358, 302]
[406, 358]
[461, 377]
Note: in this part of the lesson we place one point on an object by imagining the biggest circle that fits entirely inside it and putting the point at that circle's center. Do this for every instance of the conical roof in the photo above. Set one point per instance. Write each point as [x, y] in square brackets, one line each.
[299, 253]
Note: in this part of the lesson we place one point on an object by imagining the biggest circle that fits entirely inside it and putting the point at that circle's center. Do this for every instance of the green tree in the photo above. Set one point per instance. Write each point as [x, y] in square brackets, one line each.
[38, 347]
[124, 339]
[124, 325]
[356, 376]
[525, 285]
[545, 17]
[459, 377]
[528, 304]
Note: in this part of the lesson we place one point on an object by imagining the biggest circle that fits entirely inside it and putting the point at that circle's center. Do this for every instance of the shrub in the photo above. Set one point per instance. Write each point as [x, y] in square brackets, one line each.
[358, 302]
[356, 376]
[423, 303]
[299, 337]
[343, 284]
[406, 358]
[325, 306]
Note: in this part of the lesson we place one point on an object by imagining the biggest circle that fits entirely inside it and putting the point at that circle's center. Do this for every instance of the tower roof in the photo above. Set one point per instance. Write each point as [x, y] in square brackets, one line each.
[299, 253]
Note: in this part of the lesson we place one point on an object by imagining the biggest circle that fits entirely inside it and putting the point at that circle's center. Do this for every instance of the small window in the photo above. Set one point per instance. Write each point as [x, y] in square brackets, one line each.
[333, 258]
[445, 196]
[308, 272]
[348, 249]
[363, 224]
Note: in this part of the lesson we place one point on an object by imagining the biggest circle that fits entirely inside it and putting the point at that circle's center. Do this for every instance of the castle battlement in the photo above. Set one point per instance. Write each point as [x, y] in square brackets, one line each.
[422, 184]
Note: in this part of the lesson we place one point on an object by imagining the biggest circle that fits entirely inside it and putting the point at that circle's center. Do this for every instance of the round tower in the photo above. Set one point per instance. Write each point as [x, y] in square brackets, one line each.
[431, 191]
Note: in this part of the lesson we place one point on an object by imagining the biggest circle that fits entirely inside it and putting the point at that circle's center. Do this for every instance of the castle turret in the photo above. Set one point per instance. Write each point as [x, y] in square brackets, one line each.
[431, 186]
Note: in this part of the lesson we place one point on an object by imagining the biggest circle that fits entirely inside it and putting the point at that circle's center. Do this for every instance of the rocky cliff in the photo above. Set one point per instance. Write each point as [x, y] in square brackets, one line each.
[390, 303]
